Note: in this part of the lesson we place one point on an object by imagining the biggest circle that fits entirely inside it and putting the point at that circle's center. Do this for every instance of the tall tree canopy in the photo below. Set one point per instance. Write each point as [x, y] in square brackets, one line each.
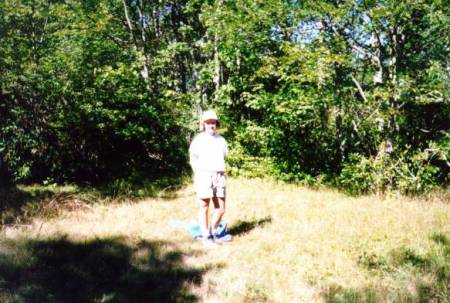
[356, 92]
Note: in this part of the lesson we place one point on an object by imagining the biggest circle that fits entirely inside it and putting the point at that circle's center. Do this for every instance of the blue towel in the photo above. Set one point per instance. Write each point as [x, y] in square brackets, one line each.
[196, 233]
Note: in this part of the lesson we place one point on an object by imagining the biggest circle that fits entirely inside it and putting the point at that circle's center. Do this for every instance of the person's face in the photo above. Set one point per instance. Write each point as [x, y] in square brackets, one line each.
[210, 126]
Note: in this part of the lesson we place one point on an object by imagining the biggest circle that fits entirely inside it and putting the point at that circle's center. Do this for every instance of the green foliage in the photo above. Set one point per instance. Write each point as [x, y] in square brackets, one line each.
[357, 177]
[96, 91]
[407, 172]
[78, 108]
[318, 108]
[243, 164]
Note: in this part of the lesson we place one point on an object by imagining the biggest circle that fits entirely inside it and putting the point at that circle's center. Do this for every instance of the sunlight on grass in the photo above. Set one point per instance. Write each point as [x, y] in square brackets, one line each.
[291, 244]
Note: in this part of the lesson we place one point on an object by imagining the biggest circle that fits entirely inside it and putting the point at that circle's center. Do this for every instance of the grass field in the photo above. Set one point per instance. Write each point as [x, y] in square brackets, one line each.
[290, 244]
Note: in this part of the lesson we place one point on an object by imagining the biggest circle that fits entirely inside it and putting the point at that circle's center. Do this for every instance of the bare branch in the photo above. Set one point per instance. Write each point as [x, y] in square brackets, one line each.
[360, 90]
[130, 26]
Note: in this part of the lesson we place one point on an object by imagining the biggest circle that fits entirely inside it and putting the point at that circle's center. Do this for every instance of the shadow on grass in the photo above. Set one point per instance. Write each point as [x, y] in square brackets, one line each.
[429, 275]
[243, 227]
[16, 202]
[106, 270]
[20, 203]
[164, 187]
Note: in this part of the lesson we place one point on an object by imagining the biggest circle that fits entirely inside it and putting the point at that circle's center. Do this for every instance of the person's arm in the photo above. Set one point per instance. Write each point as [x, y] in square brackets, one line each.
[193, 160]
[193, 155]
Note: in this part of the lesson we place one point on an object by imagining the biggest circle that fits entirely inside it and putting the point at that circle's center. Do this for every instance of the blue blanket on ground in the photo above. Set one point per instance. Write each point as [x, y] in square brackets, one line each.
[193, 228]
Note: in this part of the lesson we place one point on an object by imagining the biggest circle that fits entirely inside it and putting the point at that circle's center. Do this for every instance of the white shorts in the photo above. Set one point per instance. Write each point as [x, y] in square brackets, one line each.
[209, 184]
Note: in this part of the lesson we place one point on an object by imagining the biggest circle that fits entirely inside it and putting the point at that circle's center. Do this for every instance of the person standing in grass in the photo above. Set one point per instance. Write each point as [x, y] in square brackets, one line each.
[207, 154]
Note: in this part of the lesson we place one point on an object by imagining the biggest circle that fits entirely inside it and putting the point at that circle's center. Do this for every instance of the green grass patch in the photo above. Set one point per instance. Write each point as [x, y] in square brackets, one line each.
[290, 244]
[19, 204]
[427, 274]
[339, 295]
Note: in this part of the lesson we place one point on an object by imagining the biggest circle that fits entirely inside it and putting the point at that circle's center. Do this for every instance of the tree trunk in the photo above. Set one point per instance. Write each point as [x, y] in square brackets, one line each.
[218, 66]
[139, 47]
[377, 59]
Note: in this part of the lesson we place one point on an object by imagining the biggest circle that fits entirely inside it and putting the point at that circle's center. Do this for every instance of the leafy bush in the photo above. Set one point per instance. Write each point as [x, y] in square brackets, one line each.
[357, 176]
[243, 164]
[407, 172]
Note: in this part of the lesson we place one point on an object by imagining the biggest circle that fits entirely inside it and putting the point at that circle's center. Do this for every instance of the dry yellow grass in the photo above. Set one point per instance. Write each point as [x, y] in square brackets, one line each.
[291, 244]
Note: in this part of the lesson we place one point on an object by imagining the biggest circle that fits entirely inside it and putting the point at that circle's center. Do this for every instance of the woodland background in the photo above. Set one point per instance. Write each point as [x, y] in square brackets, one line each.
[353, 94]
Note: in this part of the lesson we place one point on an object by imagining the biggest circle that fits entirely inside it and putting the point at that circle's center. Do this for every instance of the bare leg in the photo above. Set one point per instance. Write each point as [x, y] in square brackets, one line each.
[203, 216]
[219, 211]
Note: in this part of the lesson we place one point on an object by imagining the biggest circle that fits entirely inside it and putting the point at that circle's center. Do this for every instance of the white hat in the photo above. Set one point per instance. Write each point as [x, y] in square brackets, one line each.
[209, 115]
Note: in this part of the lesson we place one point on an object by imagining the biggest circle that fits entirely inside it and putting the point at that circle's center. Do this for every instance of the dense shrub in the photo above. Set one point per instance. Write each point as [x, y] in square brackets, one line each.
[408, 172]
